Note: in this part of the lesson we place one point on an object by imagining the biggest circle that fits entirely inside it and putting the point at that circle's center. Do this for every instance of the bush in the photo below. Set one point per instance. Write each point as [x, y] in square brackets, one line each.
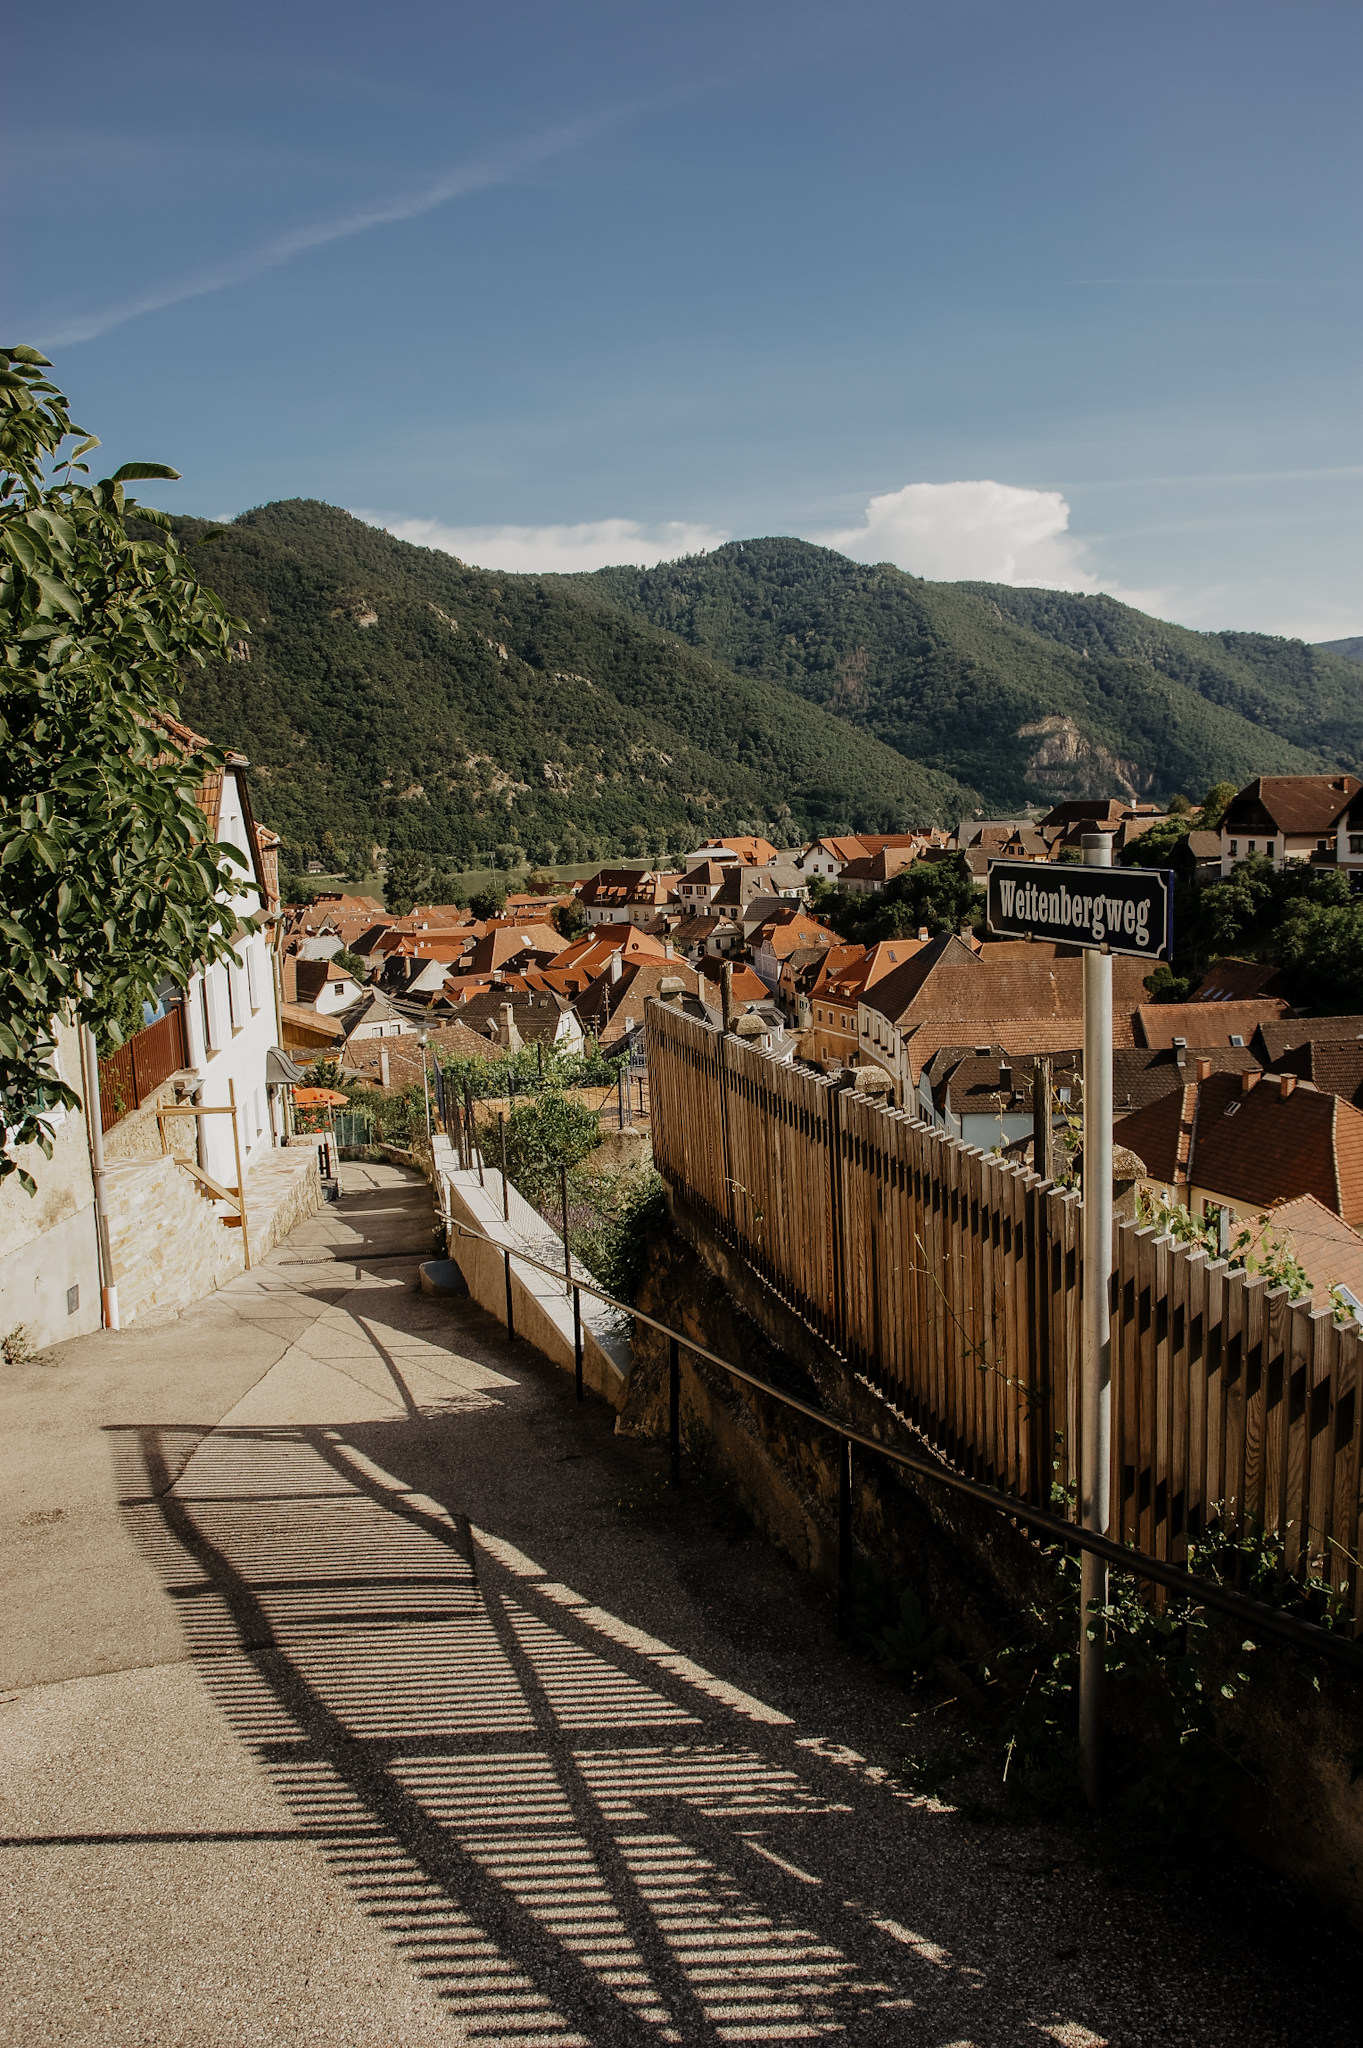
[543, 1136]
[609, 1220]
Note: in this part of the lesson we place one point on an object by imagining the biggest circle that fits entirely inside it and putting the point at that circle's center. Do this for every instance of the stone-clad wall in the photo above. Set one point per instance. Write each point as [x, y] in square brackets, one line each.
[170, 1245]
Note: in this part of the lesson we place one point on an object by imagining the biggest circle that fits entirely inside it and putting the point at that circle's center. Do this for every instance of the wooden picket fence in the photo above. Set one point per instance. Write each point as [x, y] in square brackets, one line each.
[135, 1072]
[950, 1279]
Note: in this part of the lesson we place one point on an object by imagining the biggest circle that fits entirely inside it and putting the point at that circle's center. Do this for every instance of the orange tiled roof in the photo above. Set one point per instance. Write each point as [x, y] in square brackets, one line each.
[1257, 1143]
[1159, 1024]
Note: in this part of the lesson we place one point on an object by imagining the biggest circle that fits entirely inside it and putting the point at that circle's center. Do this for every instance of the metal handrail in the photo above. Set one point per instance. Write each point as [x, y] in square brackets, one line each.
[1303, 1635]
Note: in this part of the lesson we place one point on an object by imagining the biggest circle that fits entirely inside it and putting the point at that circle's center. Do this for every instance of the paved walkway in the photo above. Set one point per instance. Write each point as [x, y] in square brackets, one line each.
[350, 1706]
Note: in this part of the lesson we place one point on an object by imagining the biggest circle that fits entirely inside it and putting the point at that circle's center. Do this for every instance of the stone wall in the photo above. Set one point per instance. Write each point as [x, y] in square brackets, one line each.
[169, 1241]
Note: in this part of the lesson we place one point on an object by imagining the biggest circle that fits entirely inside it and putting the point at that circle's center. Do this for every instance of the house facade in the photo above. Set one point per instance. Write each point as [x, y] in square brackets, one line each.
[1295, 818]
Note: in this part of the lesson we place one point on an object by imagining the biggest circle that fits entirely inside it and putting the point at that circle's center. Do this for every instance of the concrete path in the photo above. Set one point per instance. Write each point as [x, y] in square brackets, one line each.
[362, 1692]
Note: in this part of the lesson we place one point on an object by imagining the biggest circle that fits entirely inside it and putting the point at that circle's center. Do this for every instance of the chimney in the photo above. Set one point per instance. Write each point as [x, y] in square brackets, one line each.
[671, 990]
[1286, 1083]
[1250, 1080]
[750, 1028]
[922, 931]
[507, 1034]
[1204, 1070]
[667, 950]
[383, 1066]
[615, 966]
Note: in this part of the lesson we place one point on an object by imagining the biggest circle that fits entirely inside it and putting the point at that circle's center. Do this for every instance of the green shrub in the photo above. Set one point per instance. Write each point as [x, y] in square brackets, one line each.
[542, 1136]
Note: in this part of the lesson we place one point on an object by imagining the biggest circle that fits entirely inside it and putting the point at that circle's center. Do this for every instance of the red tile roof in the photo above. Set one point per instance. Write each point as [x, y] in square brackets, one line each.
[1255, 1144]
[1299, 804]
[1197, 1024]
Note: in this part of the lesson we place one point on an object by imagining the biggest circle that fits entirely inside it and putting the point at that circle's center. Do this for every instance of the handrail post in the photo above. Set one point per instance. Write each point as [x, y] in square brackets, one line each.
[674, 1408]
[241, 1177]
[577, 1340]
[1095, 1445]
[567, 1255]
[510, 1316]
[844, 1537]
[506, 1185]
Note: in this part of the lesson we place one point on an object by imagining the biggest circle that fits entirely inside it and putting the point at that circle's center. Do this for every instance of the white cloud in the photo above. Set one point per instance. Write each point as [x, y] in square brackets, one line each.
[985, 532]
[538, 550]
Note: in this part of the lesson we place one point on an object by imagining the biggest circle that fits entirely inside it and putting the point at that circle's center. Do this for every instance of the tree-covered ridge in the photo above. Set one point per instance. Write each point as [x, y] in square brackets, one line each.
[1351, 649]
[951, 673]
[1310, 695]
[389, 693]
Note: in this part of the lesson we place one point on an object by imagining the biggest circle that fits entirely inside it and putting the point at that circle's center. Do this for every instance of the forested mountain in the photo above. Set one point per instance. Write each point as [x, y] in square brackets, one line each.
[1352, 650]
[389, 694]
[1028, 694]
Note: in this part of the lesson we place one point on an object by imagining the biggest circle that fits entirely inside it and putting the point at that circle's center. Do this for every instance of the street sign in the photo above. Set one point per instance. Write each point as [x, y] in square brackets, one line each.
[1114, 910]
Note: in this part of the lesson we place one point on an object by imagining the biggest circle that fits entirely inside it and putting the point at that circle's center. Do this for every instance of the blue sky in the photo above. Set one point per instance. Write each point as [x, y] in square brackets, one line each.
[1063, 293]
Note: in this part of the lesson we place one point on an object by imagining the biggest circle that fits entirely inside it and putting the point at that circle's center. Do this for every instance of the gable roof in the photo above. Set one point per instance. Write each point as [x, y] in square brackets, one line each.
[1300, 804]
[611, 1009]
[1329, 1249]
[1203, 1024]
[1141, 1074]
[1237, 981]
[754, 853]
[535, 1013]
[364, 1056]
[1271, 1041]
[748, 987]
[972, 1081]
[1256, 1142]
[501, 943]
[1334, 1065]
[1022, 1035]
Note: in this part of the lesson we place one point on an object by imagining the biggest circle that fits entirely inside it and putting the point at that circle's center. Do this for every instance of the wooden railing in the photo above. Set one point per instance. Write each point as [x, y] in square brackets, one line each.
[951, 1280]
[135, 1072]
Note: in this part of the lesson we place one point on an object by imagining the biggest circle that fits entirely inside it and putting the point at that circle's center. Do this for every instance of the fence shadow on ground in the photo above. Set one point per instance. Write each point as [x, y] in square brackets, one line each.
[572, 1831]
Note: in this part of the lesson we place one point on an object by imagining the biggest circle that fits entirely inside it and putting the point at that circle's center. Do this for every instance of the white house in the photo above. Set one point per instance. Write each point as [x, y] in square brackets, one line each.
[1295, 818]
[230, 1013]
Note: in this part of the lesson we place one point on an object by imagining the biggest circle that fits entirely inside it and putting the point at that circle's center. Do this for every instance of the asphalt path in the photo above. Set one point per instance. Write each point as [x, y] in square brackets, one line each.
[363, 1689]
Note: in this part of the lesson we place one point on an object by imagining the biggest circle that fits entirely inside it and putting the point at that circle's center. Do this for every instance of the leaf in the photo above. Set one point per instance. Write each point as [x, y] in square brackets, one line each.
[132, 471]
[21, 546]
[57, 593]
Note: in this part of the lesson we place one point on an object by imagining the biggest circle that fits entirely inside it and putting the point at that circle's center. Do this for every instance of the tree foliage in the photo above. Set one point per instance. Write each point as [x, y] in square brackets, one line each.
[410, 878]
[110, 885]
[553, 1131]
[395, 696]
[937, 894]
[954, 674]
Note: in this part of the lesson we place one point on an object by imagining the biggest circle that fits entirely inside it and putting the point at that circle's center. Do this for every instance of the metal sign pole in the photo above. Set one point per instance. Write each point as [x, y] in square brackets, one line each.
[1095, 1442]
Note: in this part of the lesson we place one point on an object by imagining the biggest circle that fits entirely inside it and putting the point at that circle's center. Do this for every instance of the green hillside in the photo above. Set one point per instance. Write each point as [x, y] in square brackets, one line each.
[955, 674]
[387, 693]
[1352, 649]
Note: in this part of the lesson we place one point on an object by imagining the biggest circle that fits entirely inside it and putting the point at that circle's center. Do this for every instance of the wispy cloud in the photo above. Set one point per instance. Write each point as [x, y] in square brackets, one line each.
[497, 169]
[541, 550]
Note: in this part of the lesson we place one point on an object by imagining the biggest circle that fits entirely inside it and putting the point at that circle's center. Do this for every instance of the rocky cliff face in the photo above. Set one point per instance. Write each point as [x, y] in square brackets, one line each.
[1064, 763]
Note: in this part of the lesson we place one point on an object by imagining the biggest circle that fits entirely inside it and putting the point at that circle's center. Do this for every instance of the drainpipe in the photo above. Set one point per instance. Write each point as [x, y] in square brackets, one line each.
[94, 1130]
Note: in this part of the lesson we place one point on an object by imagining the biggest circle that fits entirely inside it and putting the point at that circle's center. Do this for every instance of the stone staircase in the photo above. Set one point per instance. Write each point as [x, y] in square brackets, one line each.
[172, 1243]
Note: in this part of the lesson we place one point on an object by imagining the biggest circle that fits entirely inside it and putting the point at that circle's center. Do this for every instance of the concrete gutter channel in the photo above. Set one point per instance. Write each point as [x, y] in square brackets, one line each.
[353, 1707]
